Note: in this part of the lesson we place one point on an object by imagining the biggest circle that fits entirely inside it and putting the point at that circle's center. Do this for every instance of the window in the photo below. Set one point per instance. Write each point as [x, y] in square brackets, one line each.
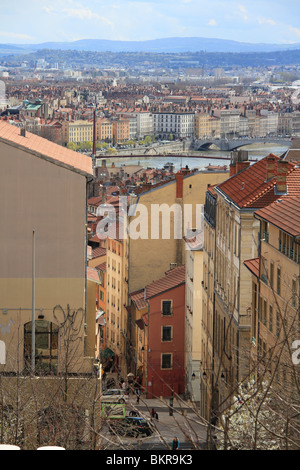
[264, 312]
[271, 275]
[277, 324]
[294, 292]
[166, 333]
[167, 307]
[46, 345]
[278, 280]
[166, 361]
[270, 318]
[264, 270]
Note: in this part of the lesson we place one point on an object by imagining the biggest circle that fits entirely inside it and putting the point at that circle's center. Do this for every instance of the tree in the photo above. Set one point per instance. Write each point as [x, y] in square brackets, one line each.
[252, 421]
[72, 146]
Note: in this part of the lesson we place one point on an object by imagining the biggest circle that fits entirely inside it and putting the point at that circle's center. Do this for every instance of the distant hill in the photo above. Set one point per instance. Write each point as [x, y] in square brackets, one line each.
[165, 45]
[179, 60]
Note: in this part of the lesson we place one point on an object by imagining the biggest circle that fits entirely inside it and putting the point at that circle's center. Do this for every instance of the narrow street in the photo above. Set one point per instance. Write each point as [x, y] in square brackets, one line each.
[184, 424]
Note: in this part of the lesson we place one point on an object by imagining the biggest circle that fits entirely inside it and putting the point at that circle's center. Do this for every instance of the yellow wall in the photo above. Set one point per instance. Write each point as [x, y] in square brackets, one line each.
[157, 254]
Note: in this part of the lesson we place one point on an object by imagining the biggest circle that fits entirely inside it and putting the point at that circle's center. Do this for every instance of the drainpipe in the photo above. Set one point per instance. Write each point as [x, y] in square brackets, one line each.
[86, 260]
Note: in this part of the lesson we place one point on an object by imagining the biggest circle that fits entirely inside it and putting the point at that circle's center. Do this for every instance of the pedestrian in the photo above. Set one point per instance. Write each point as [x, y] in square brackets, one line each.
[152, 413]
[175, 444]
[138, 393]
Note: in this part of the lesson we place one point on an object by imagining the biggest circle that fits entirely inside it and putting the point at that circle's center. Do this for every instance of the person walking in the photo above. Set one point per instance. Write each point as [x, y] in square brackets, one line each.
[175, 444]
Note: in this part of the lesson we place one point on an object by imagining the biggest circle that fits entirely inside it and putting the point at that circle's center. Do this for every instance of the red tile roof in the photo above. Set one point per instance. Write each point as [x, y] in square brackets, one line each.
[92, 274]
[173, 278]
[253, 266]
[76, 161]
[138, 298]
[249, 188]
[284, 214]
[100, 251]
[101, 267]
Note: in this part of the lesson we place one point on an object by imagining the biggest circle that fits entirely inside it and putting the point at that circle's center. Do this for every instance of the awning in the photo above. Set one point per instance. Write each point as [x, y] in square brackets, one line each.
[140, 323]
[100, 317]
[107, 353]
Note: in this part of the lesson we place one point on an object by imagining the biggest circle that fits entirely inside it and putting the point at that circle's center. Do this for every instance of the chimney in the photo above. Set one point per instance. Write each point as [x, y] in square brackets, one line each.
[241, 166]
[270, 167]
[232, 169]
[179, 185]
[282, 168]
[23, 132]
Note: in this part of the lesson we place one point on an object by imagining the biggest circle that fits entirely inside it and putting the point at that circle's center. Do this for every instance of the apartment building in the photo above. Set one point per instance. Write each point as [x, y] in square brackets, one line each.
[289, 124]
[208, 297]
[268, 123]
[206, 125]
[160, 234]
[117, 334]
[194, 321]
[229, 123]
[179, 125]
[162, 319]
[104, 130]
[121, 130]
[38, 218]
[141, 124]
[77, 131]
[249, 188]
[275, 289]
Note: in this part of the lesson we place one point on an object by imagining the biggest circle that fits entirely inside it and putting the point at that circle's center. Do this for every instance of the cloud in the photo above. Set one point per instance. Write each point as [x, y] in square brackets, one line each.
[79, 12]
[266, 21]
[243, 11]
[212, 22]
[82, 13]
[294, 30]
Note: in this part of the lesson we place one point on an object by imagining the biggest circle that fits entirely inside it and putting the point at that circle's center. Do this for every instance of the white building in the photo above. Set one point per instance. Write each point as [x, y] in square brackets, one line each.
[180, 125]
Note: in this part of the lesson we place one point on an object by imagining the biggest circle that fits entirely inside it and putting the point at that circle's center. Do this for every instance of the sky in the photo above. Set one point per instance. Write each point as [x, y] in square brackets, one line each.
[254, 21]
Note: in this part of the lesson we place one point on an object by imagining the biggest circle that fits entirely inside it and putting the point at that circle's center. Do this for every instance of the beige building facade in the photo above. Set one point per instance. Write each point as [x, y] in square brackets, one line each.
[44, 214]
[176, 205]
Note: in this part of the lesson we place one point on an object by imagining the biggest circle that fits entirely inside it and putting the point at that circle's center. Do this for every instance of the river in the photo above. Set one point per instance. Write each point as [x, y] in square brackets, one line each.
[256, 151]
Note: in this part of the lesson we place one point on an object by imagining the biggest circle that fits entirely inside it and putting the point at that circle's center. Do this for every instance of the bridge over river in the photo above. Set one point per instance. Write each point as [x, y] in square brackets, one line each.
[233, 144]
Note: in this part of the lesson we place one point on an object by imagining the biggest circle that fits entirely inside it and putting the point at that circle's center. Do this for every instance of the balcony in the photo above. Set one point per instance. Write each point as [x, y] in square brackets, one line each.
[266, 236]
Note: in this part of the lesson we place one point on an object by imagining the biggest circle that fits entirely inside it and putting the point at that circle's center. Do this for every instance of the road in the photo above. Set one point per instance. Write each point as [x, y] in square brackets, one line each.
[184, 424]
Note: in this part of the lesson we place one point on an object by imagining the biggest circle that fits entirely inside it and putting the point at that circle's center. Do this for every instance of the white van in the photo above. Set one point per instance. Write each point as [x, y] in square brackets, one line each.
[114, 395]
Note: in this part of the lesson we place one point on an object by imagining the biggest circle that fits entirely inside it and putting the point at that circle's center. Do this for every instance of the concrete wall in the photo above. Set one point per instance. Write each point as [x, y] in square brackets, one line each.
[36, 194]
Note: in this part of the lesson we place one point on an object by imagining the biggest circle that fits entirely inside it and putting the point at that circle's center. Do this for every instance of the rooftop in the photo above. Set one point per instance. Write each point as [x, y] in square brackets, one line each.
[173, 278]
[284, 214]
[250, 188]
[41, 147]
[253, 266]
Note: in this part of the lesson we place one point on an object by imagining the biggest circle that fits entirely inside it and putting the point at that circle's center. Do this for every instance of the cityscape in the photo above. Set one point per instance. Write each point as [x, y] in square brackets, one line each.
[150, 233]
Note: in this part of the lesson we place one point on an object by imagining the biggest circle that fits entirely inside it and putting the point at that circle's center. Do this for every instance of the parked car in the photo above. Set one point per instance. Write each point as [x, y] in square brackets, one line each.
[131, 426]
[114, 395]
